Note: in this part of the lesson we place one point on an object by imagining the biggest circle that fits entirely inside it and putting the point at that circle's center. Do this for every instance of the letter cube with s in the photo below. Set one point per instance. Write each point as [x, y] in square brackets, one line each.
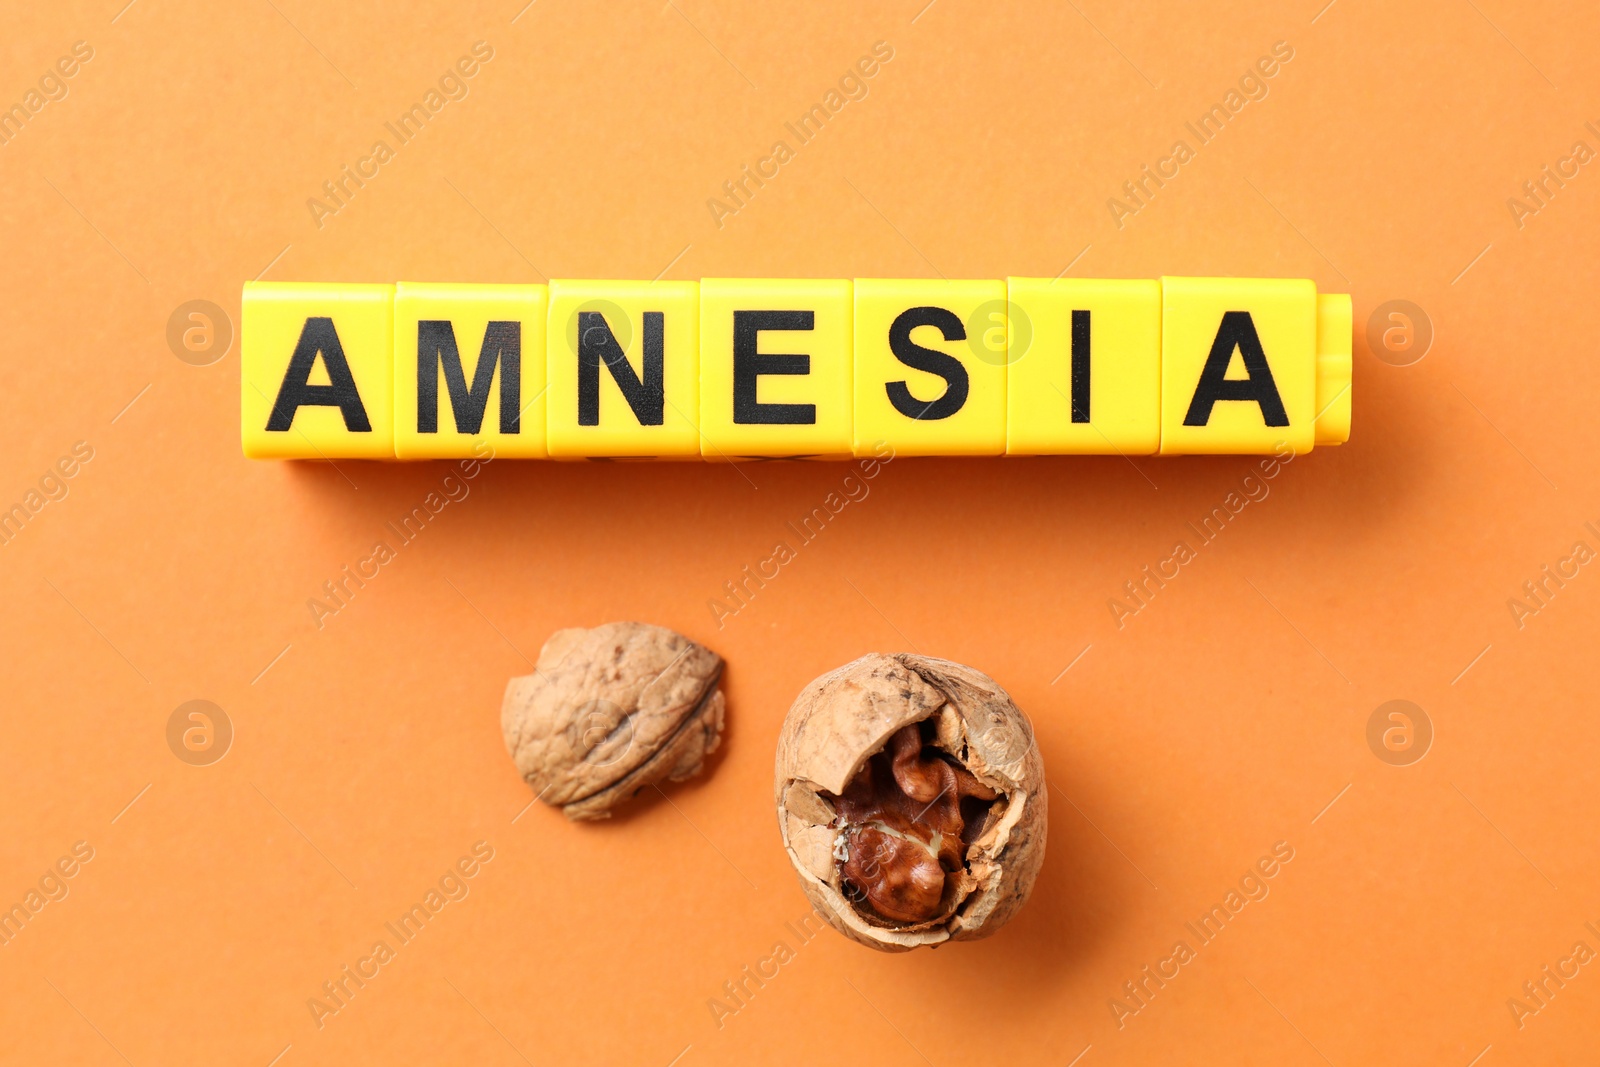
[930, 367]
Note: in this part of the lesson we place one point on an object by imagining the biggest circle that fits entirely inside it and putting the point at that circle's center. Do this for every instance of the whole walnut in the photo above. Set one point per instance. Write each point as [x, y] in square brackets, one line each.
[609, 711]
[911, 799]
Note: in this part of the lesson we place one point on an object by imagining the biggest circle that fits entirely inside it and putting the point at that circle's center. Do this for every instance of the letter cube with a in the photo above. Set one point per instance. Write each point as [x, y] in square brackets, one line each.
[316, 368]
[1238, 364]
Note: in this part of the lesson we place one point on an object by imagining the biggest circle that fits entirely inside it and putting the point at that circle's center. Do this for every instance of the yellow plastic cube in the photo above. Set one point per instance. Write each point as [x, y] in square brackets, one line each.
[624, 369]
[1334, 315]
[1084, 373]
[775, 368]
[1238, 365]
[469, 369]
[930, 367]
[316, 368]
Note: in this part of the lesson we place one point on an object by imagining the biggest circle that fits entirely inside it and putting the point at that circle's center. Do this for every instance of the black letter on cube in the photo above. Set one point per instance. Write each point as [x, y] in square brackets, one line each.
[436, 346]
[597, 344]
[318, 336]
[1238, 330]
[749, 365]
[931, 360]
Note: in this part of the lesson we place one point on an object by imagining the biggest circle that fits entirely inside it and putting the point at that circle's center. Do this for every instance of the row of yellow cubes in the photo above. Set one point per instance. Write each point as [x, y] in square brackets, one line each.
[738, 368]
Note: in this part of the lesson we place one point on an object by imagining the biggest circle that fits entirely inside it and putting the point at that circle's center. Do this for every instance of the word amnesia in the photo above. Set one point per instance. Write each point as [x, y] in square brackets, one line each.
[729, 369]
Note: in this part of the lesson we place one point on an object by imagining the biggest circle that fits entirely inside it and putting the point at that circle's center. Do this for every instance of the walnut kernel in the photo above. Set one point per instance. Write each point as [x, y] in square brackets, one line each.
[911, 799]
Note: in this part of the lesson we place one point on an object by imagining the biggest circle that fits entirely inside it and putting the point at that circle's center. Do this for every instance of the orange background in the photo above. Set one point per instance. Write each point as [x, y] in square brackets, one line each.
[1225, 716]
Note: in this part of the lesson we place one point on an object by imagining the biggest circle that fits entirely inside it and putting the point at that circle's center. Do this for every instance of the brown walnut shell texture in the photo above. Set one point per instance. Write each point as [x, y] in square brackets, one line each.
[610, 711]
[847, 716]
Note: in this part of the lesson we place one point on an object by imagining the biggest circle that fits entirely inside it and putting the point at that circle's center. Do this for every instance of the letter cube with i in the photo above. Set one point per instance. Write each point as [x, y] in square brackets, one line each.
[930, 367]
[316, 369]
[775, 368]
[469, 368]
[623, 369]
[1084, 370]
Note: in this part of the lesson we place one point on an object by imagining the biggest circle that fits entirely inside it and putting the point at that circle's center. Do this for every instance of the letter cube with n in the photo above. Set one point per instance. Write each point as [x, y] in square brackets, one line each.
[316, 371]
[469, 367]
[624, 369]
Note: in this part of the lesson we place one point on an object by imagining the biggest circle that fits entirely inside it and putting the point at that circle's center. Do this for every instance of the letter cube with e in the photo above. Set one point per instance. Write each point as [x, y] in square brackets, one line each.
[930, 367]
[1084, 372]
[624, 369]
[775, 368]
[1238, 364]
[469, 367]
[316, 369]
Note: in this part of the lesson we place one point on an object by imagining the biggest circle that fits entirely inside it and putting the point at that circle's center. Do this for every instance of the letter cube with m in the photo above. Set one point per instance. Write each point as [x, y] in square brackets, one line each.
[469, 369]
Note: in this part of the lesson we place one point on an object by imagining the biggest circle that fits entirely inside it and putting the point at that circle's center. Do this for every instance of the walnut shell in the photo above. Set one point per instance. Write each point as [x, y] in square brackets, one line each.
[612, 710]
[879, 731]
